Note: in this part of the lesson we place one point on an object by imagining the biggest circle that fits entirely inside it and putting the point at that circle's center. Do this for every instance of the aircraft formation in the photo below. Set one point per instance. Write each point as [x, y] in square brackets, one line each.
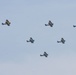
[31, 40]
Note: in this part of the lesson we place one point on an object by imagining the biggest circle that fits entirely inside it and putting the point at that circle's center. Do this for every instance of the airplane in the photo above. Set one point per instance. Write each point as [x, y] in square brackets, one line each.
[45, 54]
[61, 41]
[30, 40]
[74, 25]
[6, 23]
[49, 24]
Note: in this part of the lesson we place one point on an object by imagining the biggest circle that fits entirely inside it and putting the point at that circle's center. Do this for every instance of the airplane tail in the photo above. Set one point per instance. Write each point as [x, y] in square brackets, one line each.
[74, 25]
[58, 41]
[3, 23]
[41, 55]
[27, 41]
[46, 24]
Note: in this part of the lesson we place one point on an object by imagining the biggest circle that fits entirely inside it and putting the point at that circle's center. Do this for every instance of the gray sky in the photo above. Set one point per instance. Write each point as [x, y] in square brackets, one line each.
[28, 18]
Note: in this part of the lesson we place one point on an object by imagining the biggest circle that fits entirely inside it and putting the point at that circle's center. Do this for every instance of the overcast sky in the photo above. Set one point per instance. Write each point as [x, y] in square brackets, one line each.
[28, 18]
